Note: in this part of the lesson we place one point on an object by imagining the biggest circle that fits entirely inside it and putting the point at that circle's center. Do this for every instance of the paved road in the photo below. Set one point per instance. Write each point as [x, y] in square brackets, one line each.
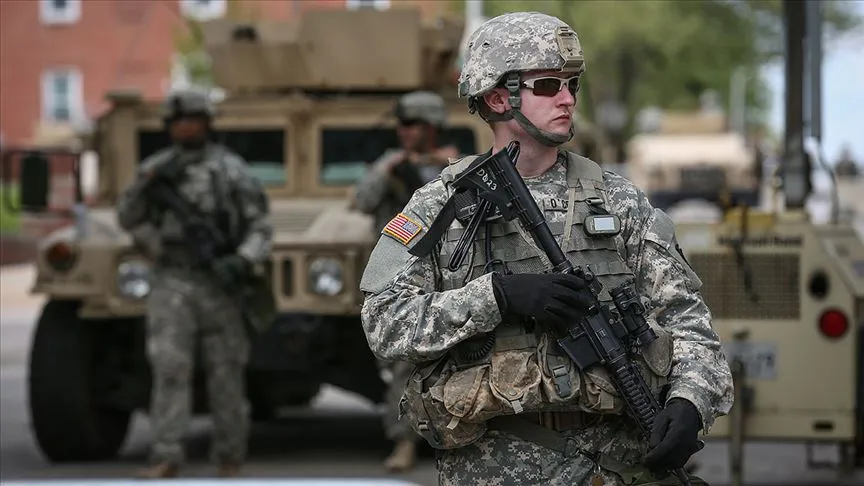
[340, 437]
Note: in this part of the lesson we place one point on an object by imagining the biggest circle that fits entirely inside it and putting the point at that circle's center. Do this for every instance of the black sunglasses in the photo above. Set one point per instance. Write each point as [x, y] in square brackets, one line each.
[410, 122]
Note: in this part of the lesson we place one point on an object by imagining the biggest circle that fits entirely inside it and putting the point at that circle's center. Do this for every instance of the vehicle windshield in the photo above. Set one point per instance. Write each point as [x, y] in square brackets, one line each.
[263, 149]
[348, 152]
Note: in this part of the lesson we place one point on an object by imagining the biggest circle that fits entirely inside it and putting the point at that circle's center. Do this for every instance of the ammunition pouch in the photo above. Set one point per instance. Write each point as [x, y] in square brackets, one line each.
[259, 306]
[422, 405]
[449, 403]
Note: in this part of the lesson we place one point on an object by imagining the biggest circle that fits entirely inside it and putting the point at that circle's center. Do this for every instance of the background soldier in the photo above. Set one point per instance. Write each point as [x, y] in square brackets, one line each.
[393, 178]
[846, 166]
[189, 306]
[492, 389]
[385, 190]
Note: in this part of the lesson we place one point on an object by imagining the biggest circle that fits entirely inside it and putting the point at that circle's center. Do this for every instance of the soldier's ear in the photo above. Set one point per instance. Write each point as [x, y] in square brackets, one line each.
[497, 100]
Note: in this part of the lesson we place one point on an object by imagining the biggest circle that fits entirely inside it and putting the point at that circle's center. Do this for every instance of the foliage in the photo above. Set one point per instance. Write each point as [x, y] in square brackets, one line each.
[189, 42]
[667, 53]
[8, 219]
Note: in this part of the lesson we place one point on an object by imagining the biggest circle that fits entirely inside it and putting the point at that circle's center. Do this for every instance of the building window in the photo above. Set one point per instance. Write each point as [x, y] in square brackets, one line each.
[203, 10]
[62, 96]
[376, 4]
[59, 11]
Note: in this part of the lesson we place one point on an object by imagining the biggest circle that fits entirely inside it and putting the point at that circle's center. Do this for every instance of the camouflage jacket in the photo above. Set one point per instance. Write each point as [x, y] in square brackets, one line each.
[407, 316]
[215, 179]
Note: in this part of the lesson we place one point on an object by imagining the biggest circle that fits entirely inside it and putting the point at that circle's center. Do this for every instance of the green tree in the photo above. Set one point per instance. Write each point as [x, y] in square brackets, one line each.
[667, 53]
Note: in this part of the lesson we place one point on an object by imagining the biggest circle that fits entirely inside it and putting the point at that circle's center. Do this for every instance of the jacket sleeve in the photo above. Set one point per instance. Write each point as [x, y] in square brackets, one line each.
[254, 210]
[405, 315]
[133, 209]
[700, 372]
[371, 190]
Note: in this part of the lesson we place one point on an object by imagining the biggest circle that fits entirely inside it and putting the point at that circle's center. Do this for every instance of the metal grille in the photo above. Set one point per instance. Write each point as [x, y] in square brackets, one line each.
[287, 277]
[775, 284]
[296, 221]
[703, 179]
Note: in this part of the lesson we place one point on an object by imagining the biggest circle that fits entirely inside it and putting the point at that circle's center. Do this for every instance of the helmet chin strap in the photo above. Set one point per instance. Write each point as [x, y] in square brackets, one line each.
[549, 139]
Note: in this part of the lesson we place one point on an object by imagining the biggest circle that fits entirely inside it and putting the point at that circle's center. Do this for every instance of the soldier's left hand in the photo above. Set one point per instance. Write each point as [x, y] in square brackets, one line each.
[230, 269]
[171, 171]
[674, 437]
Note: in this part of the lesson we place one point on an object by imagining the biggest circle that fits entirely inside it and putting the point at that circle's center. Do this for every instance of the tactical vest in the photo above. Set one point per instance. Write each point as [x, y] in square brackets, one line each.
[448, 401]
[206, 187]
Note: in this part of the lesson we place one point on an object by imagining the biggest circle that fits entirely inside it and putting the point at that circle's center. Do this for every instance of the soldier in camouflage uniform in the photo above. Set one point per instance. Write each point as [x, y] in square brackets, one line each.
[385, 190]
[393, 178]
[188, 308]
[492, 392]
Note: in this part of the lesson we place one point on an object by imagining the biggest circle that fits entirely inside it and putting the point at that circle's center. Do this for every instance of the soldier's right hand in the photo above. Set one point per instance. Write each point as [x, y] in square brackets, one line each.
[171, 170]
[554, 299]
[392, 160]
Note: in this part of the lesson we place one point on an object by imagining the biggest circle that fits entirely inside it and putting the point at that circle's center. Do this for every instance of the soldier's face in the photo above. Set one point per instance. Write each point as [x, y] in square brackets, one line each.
[412, 135]
[188, 131]
[548, 99]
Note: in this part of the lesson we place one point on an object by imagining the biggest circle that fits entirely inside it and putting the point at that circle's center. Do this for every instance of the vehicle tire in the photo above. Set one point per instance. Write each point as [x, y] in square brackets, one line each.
[302, 397]
[68, 421]
[266, 397]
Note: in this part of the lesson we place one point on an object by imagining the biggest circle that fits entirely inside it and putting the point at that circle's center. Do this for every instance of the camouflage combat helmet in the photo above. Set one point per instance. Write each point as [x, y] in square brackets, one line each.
[187, 103]
[507, 45]
[424, 106]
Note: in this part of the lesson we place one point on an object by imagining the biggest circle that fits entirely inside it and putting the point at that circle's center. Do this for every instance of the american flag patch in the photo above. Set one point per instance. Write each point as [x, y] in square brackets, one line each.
[403, 228]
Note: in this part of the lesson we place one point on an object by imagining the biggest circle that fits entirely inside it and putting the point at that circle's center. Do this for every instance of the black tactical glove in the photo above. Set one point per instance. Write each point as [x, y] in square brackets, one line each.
[674, 437]
[554, 299]
[409, 174]
[230, 270]
[171, 171]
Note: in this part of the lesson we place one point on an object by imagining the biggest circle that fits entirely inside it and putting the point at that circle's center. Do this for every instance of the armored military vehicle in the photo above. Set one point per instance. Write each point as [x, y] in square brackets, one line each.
[308, 104]
[693, 156]
[787, 294]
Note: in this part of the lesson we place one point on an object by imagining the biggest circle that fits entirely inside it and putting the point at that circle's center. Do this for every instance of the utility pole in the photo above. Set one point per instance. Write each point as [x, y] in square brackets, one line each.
[803, 69]
[738, 101]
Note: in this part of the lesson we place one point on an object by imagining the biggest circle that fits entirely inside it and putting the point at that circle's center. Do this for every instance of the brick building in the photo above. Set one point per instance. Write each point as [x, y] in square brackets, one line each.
[59, 57]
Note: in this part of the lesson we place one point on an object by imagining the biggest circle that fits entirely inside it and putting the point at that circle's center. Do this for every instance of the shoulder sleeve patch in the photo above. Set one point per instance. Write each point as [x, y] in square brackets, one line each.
[402, 228]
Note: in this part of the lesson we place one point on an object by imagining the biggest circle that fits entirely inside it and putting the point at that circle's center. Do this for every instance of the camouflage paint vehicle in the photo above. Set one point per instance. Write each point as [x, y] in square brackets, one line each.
[308, 107]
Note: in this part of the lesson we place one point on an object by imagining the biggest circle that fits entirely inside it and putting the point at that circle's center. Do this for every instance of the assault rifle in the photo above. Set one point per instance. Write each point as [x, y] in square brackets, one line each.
[604, 337]
[204, 243]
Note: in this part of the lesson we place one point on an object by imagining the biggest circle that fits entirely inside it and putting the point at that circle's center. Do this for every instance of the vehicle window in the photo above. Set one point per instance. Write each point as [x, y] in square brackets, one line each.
[347, 152]
[263, 150]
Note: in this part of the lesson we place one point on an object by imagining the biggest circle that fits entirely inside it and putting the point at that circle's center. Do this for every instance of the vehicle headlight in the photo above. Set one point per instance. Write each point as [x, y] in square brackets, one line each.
[133, 279]
[325, 276]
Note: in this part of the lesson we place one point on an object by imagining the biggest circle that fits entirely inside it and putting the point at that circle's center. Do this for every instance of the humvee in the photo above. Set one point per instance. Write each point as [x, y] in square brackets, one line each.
[693, 156]
[787, 296]
[308, 105]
